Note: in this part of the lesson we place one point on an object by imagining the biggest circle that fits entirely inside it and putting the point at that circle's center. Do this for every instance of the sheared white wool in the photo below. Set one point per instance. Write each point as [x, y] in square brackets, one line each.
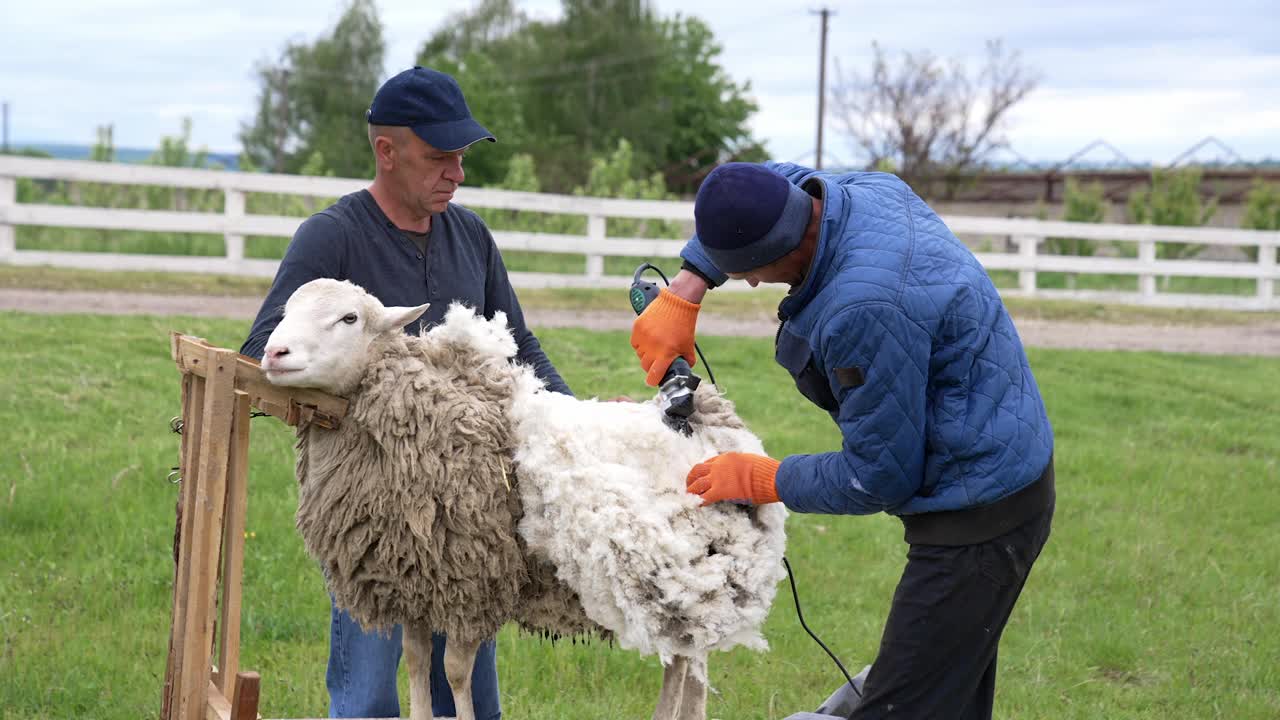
[603, 488]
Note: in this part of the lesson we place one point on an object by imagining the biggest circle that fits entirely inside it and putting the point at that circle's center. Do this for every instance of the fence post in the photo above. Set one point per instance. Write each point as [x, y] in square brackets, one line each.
[596, 234]
[1147, 278]
[1027, 250]
[1267, 264]
[8, 198]
[234, 212]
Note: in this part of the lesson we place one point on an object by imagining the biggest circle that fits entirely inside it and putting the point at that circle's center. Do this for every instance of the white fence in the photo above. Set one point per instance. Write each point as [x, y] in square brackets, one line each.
[234, 224]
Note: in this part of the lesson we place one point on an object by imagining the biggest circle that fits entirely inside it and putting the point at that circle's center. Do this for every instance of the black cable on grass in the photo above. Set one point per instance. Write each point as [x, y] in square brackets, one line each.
[796, 596]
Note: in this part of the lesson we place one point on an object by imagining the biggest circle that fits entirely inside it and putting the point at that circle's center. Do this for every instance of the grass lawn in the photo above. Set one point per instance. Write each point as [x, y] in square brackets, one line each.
[1157, 597]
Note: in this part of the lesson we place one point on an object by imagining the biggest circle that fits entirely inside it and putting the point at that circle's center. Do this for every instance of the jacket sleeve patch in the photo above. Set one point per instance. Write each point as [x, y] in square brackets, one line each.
[851, 377]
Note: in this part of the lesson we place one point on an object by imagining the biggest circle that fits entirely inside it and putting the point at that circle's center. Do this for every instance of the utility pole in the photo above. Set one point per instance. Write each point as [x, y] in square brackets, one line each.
[5, 147]
[822, 81]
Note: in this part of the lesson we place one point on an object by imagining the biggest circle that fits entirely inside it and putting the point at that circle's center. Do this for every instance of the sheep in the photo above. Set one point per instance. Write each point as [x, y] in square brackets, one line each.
[459, 493]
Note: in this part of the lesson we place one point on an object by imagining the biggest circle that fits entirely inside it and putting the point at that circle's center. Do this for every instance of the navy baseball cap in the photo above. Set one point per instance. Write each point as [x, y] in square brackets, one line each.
[430, 103]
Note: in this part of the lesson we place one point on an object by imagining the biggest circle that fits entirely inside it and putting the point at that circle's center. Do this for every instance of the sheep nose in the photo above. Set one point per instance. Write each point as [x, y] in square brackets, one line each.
[276, 352]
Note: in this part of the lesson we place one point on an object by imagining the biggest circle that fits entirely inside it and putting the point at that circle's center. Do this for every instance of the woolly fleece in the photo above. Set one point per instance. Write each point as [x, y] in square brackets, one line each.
[411, 506]
[407, 505]
[603, 488]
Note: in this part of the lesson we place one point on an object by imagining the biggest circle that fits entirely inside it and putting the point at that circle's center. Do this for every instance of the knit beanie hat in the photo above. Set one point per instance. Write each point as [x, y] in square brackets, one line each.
[748, 216]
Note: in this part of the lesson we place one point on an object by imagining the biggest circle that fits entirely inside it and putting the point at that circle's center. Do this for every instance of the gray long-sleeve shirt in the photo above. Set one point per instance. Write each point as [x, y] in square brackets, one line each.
[354, 240]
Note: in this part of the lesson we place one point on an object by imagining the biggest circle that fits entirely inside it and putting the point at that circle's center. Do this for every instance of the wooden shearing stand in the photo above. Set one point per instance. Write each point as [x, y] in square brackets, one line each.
[219, 387]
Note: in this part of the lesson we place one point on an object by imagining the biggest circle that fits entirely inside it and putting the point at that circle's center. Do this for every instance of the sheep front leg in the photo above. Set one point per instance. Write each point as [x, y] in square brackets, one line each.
[693, 701]
[417, 650]
[459, 660]
[672, 689]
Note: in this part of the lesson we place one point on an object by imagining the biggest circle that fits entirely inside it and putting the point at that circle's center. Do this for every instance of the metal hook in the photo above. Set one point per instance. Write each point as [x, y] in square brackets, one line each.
[176, 425]
[175, 471]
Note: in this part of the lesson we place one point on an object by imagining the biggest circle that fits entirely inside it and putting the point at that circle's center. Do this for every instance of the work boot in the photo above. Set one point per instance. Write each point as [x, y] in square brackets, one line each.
[846, 698]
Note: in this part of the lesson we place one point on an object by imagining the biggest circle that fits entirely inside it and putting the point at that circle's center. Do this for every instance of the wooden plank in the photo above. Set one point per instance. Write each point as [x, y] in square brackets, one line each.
[176, 621]
[1148, 264]
[148, 220]
[139, 263]
[283, 226]
[136, 174]
[575, 204]
[193, 423]
[8, 198]
[190, 354]
[554, 243]
[597, 235]
[244, 703]
[125, 173]
[967, 225]
[233, 545]
[217, 707]
[139, 174]
[233, 207]
[206, 530]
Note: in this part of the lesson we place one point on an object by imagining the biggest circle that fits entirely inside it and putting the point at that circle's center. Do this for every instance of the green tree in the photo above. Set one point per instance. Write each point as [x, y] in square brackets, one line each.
[313, 99]
[1086, 204]
[1173, 199]
[104, 148]
[708, 111]
[480, 48]
[567, 90]
[1262, 206]
[175, 151]
[1262, 210]
[617, 175]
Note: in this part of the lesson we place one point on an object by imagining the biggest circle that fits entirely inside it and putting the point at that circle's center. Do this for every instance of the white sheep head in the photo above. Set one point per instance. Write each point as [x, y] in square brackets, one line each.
[323, 340]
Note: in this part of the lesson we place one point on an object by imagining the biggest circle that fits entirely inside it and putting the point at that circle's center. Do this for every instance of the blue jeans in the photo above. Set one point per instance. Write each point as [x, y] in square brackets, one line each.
[362, 674]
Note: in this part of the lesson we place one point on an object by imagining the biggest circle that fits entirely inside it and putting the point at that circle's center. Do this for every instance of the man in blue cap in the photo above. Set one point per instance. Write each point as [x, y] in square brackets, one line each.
[405, 242]
[894, 328]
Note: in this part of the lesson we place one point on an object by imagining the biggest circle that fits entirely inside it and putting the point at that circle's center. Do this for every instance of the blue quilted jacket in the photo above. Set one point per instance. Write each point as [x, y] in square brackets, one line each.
[898, 333]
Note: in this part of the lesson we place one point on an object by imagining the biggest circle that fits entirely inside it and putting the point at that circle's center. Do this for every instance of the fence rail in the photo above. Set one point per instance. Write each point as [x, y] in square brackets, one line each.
[234, 224]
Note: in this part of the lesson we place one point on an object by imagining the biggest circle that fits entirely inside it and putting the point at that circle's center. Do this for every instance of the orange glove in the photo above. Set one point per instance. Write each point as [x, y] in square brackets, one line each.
[737, 477]
[662, 332]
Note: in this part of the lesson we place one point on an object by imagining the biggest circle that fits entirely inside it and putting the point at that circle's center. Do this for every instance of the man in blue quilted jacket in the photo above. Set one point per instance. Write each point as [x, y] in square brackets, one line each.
[893, 327]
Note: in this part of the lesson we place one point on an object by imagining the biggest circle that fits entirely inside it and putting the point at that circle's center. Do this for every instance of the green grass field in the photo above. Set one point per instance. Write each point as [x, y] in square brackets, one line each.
[1157, 597]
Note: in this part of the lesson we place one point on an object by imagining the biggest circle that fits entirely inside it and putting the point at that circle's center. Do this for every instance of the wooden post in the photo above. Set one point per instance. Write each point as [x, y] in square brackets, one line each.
[8, 199]
[244, 703]
[1266, 285]
[234, 212]
[218, 389]
[233, 545]
[201, 545]
[1147, 278]
[193, 391]
[596, 233]
[1027, 276]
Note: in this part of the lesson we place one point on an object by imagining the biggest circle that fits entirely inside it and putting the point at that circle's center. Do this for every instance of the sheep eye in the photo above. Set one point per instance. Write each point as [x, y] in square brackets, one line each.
[349, 318]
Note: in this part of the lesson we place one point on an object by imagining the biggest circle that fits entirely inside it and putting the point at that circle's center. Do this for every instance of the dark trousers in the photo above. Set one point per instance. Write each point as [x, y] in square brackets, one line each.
[937, 657]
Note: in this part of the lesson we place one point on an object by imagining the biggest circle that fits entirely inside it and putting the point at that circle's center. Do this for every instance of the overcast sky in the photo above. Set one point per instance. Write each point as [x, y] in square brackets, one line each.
[1151, 78]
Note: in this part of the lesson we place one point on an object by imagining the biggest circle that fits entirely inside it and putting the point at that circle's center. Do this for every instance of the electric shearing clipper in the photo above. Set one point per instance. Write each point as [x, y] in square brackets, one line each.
[675, 394]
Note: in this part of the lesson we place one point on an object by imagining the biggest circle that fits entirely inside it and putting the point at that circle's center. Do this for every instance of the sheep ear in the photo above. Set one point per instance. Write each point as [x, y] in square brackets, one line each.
[397, 317]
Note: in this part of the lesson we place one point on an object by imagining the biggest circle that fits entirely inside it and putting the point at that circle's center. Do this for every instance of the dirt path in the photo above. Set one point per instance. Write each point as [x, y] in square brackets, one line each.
[1250, 339]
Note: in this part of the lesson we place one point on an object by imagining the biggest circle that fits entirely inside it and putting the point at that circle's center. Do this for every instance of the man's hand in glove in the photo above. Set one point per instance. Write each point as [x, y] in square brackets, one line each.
[663, 332]
[737, 477]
